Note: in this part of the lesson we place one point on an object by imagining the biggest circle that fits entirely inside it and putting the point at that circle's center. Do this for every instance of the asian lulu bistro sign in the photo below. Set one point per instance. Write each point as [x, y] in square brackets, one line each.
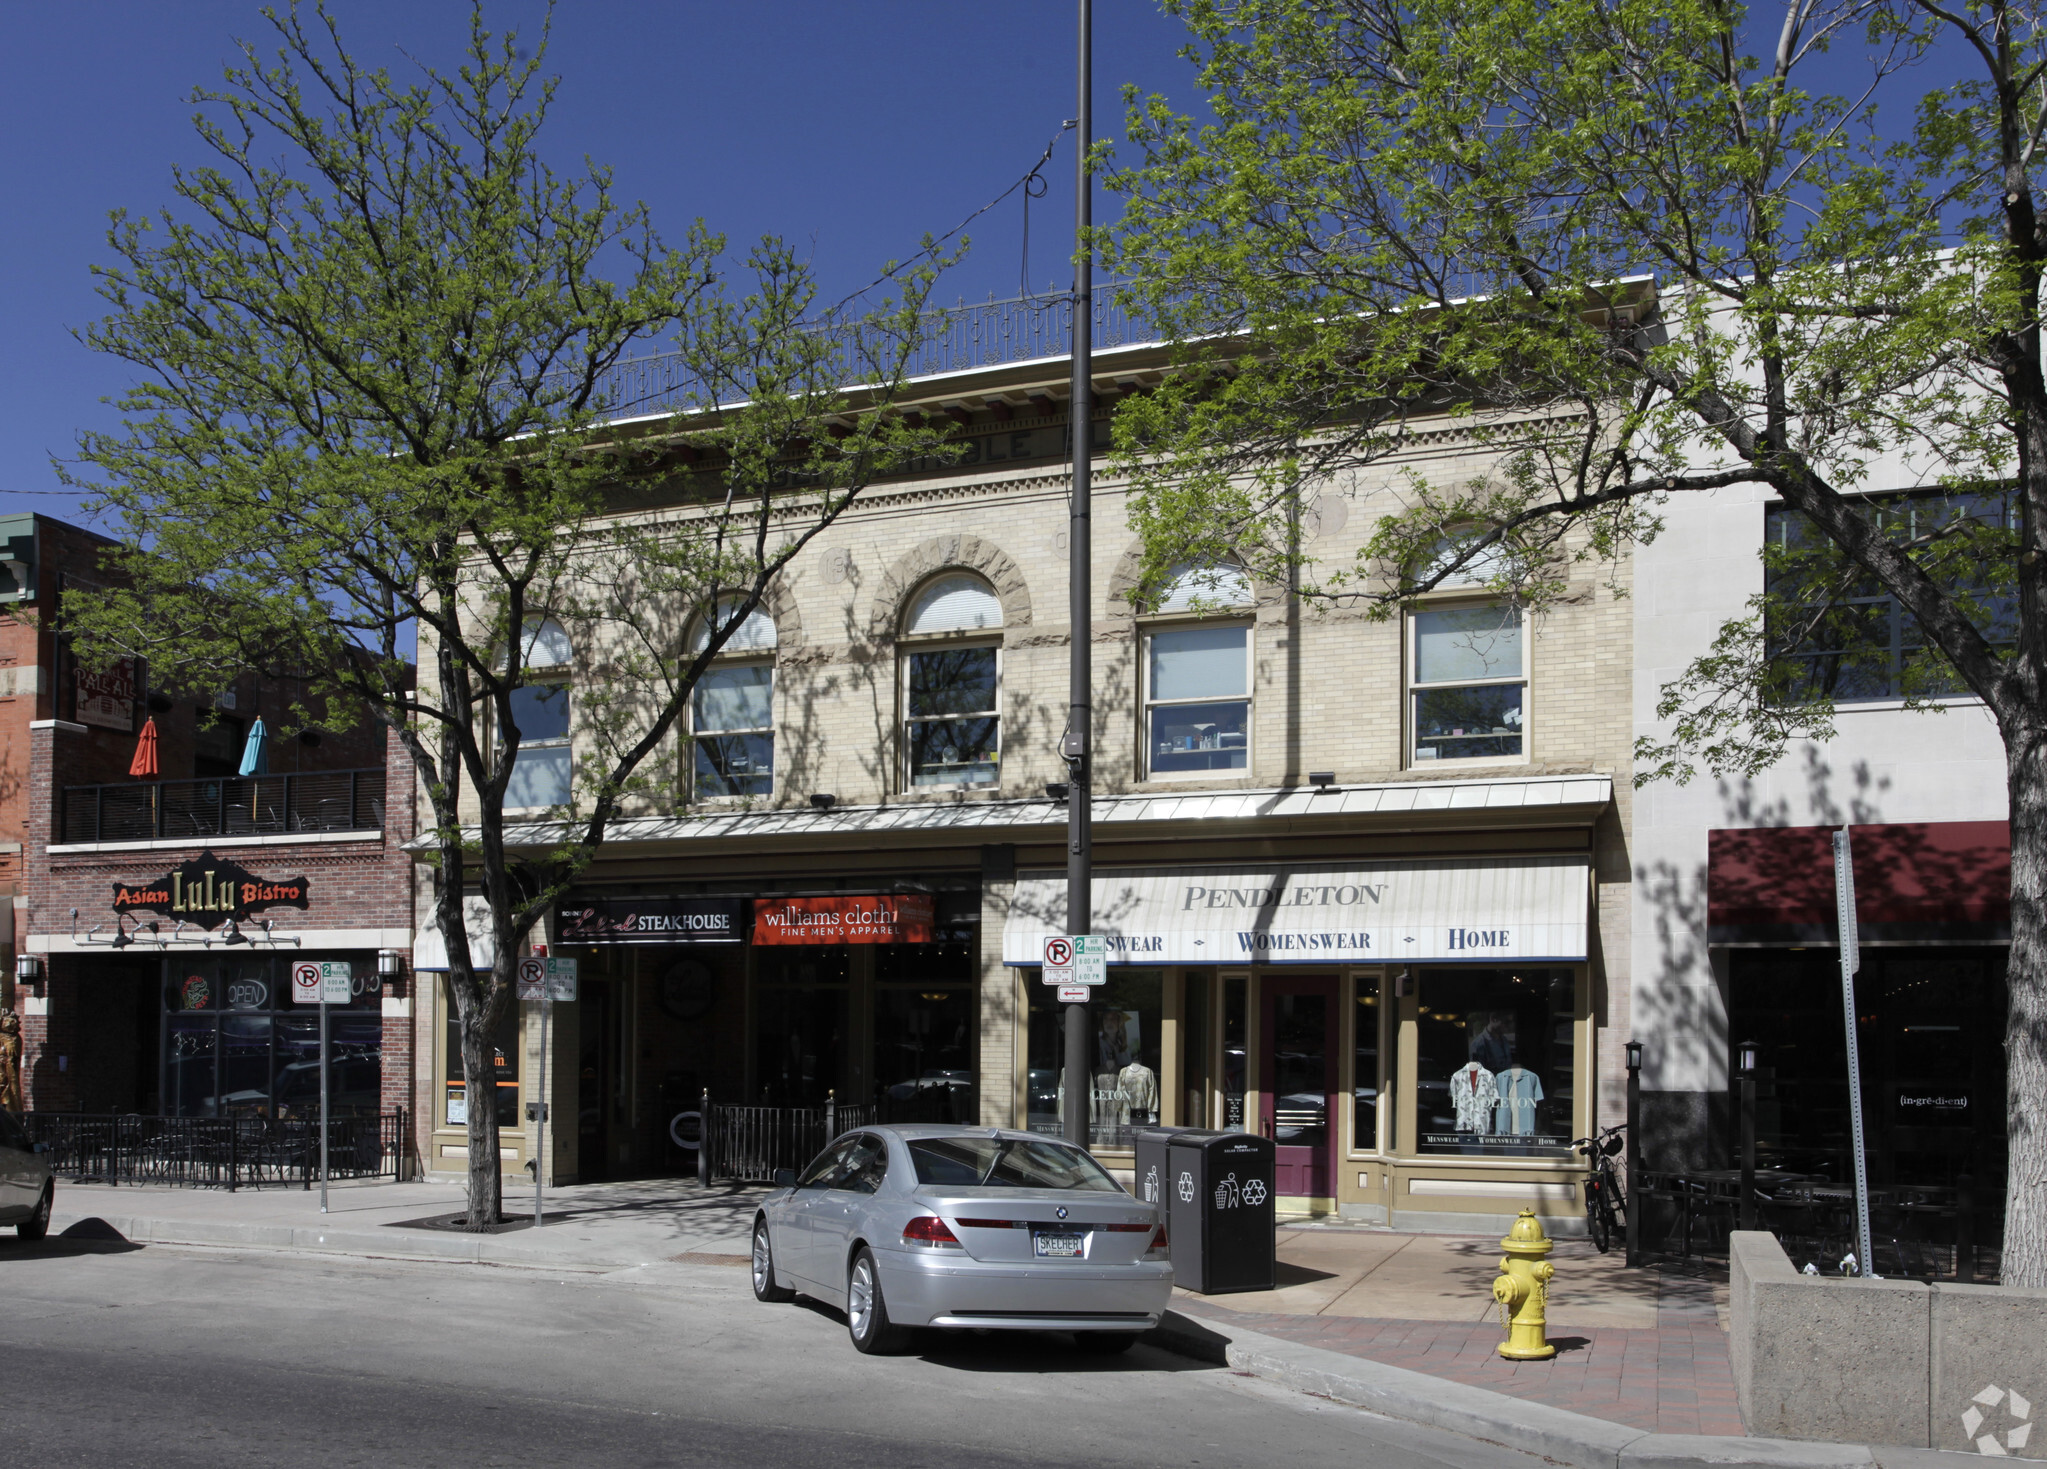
[208, 891]
[1459, 911]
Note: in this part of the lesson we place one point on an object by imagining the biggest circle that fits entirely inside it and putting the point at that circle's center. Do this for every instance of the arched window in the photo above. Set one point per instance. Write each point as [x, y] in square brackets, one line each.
[1197, 688]
[952, 725]
[542, 770]
[956, 602]
[755, 635]
[732, 708]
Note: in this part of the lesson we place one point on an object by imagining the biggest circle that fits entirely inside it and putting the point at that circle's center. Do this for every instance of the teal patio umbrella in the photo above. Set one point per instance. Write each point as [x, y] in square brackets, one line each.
[256, 753]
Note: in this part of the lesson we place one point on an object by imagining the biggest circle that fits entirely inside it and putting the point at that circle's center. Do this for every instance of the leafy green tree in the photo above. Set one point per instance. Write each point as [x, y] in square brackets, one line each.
[376, 405]
[1638, 248]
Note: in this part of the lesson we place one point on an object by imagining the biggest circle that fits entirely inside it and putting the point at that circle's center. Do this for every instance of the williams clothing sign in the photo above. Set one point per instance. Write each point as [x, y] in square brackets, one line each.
[1460, 911]
[671, 920]
[209, 890]
[885, 918]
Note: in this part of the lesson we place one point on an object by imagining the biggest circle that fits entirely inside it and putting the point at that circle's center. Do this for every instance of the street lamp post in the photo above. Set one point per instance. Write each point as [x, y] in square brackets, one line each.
[1746, 1065]
[1076, 747]
[1634, 1165]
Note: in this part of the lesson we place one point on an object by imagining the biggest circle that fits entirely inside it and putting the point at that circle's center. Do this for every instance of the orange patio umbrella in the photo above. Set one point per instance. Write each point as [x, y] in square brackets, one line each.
[145, 751]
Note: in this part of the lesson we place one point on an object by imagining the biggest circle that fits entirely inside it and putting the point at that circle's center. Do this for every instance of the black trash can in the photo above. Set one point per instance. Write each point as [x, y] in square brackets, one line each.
[1220, 1210]
[1152, 1180]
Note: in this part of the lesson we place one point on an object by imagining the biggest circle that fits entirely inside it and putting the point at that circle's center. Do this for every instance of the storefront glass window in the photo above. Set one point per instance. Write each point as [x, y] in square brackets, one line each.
[1235, 1052]
[800, 1035]
[1365, 1068]
[505, 1060]
[1124, 1035]
[924, 1026]
[236, 1045]
[1496, 1062]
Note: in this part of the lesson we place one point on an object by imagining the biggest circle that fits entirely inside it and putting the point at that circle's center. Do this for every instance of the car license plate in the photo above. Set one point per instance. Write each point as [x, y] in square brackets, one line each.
[1060, 1246]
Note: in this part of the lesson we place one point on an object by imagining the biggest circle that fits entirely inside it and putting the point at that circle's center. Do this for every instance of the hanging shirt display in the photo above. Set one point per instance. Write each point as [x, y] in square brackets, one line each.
[1474, 1094]
[1520, 1089]
[1140, 1088]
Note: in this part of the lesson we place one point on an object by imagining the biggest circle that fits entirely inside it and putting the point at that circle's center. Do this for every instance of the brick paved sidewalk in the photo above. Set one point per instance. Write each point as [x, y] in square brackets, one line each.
[1663, 1379]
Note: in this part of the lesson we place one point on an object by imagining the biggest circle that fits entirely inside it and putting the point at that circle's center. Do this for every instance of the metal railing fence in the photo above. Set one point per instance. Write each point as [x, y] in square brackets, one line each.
[747, 1144]
[257, 805]
[217, 1152]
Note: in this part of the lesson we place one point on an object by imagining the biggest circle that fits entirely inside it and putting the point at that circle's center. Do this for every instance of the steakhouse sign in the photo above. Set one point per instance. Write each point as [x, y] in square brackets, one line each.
[208, 891]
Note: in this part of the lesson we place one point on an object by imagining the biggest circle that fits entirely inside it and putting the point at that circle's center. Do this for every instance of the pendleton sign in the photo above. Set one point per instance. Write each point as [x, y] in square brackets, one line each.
[1456, 911]
[209, 890]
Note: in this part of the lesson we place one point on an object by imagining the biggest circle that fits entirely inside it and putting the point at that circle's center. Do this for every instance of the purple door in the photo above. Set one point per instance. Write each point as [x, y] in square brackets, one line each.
[1298, 1082]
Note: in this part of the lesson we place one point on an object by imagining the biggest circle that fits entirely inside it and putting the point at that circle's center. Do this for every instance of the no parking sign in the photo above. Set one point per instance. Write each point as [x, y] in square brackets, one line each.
[313, 980]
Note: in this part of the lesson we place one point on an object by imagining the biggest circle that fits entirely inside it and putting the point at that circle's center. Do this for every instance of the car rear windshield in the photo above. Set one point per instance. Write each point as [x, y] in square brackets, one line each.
[1007, 1163]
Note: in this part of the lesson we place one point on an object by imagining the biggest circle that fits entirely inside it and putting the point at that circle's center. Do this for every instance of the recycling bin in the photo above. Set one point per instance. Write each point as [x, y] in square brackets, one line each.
[1220, 1210]
[1151, 1181]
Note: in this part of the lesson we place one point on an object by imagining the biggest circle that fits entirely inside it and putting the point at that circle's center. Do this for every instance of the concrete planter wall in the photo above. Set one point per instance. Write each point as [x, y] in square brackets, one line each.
[1886, 1362]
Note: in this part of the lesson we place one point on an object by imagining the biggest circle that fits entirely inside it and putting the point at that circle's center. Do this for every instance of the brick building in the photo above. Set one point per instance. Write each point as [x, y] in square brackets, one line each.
[158, 919]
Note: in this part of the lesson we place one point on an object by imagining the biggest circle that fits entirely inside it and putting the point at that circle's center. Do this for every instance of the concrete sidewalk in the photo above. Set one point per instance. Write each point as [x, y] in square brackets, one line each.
[1400, 1324]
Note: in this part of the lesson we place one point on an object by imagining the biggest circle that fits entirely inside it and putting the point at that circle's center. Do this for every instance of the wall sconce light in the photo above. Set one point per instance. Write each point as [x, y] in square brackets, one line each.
[1057, 791]
[231, 933]
[1634, 1055]
[1745, 1058]
[390, 964]
[1321, 780]
[824, 800]
[28, 968]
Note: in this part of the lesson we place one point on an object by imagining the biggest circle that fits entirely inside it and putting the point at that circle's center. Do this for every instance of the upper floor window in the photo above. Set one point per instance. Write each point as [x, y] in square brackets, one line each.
[542, 771]
[732, 710]
[1197, 680]
[1834, 633]
[952, 724]
[1468, 683]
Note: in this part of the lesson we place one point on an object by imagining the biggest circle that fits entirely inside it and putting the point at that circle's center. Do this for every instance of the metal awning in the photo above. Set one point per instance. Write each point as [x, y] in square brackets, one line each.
[1467, 910]
[1575, 798]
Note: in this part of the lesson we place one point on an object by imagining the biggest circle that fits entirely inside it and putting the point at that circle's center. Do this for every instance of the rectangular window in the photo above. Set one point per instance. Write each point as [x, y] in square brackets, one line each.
[1832, 630]
[1198, 700]
[1123, 1085]
[952, 730]
[1469, 683]
[1365, 1090]
[504, 1065]
[541, 770]
[732, 715]
[1496, 1063]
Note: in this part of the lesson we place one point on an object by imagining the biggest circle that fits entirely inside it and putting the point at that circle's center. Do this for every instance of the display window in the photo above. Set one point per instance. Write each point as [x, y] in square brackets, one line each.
[801, 1007]
[1126, 1020]
[505, 1061]
[1496, 1051]
[924, 1026]
[1368, 1084]
[235, 1044]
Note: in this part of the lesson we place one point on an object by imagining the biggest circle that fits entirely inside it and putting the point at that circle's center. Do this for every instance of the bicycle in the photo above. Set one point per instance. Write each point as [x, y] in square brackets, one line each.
[1606, 1205]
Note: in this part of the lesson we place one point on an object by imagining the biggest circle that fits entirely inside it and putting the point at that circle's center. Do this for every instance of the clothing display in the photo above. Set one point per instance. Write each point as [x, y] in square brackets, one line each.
[1475, 1095]
[1520, 1089]
[1140, 1088]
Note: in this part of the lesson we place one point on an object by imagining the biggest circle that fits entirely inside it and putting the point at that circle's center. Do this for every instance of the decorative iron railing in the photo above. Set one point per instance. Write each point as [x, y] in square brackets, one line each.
[257, 805]
[955, 339]
[752, 1144]
[217, 1152]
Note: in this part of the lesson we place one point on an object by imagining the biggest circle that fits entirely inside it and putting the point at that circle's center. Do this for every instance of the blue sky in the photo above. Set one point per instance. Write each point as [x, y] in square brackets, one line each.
[851, 128]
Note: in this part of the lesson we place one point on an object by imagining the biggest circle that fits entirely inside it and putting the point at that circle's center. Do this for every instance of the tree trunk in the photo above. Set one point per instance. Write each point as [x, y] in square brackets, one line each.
[480, 1086]
[2025, 1107]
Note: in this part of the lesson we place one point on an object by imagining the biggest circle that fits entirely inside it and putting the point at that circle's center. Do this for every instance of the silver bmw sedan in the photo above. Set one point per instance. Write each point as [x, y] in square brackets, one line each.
[964, 1227]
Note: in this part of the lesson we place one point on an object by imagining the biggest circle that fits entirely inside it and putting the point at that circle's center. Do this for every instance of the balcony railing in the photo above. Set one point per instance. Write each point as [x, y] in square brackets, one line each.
[227, 806]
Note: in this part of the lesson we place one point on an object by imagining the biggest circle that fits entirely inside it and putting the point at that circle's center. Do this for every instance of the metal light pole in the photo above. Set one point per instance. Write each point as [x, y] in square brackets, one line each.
[1851, 960]
[1634, 1164]
[1746, 1066]
[1077, 746]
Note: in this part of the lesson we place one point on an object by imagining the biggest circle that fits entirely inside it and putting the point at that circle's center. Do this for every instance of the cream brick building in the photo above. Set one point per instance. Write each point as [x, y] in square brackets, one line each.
[1449, 894]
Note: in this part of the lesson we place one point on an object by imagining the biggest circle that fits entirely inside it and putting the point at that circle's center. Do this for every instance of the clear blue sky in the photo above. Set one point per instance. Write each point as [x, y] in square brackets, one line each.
[850, 127]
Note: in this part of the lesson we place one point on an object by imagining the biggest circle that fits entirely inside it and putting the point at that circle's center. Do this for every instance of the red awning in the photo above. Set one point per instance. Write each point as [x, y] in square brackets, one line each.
[1937, 880]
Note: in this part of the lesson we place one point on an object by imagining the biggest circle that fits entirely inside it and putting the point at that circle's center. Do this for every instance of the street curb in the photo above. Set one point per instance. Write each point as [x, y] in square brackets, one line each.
[1535, 1428]
[395, 1244]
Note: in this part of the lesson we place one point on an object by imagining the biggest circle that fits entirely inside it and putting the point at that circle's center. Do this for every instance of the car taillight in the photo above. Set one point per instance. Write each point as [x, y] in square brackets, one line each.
[929, 1229]
[1157, 1249]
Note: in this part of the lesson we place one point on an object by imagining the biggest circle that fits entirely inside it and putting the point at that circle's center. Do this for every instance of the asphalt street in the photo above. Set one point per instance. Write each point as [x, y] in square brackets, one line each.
[116, 1355]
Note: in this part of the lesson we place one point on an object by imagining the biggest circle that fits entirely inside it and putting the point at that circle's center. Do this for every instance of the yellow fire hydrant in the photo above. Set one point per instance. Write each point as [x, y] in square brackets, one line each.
[1523, 1289]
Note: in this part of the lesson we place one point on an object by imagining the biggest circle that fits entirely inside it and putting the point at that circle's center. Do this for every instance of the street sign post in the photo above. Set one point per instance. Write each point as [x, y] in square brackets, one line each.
[322, 983]
[545, 980]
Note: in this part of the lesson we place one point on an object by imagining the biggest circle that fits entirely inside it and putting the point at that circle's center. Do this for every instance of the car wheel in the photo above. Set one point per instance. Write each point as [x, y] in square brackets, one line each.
[764, 1287]
[38, 1224]
[866, 1312]
[1104, 1343]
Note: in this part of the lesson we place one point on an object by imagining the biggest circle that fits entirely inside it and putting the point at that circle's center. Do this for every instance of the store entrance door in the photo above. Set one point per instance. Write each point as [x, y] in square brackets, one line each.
[1297, 1082]
[593, 1082]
